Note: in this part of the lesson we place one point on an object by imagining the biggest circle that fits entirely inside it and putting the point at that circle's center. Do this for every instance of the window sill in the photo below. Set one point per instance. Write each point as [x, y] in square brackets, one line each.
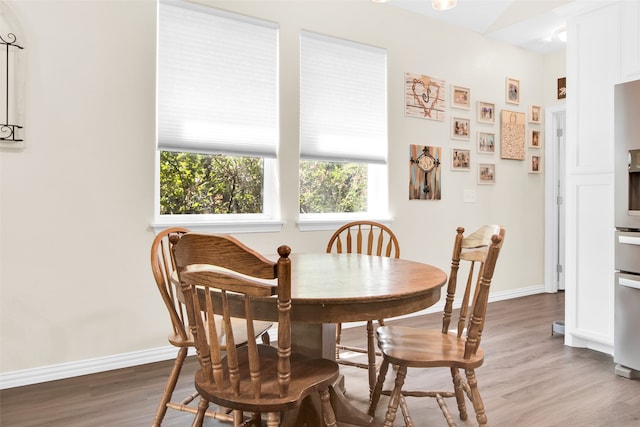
[226, 227]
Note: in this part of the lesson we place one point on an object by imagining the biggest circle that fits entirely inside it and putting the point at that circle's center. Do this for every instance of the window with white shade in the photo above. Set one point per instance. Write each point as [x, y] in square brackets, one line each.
[217, 114]
[343, 128]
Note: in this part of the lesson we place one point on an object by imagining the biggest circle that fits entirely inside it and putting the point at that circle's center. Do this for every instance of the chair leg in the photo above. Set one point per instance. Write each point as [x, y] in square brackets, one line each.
[457, 386]
[338, 338]
[371, 356]
[374, 398]
[328, 415]
[396, 394]
[202, 408]
[478, 406]
[266, 338]
[408, 422]
[170, 386]
[273, 419]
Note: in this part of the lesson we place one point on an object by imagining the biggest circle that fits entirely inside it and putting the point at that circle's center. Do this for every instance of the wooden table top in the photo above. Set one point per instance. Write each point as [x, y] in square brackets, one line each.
[333, 288]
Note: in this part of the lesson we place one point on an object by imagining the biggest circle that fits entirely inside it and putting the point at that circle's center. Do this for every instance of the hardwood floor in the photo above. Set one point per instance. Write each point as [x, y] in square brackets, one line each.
[529, 379]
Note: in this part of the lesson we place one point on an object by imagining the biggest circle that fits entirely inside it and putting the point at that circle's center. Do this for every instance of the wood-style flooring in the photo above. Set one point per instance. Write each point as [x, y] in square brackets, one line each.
[529, 379]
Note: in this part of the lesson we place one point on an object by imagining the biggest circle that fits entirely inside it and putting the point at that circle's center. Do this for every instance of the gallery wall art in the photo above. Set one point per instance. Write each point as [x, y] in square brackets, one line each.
[425, 172]
[513, 135]
[425, 97]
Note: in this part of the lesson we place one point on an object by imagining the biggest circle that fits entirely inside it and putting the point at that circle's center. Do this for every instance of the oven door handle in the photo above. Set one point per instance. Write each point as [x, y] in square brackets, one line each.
[629, 240]
[629, 283]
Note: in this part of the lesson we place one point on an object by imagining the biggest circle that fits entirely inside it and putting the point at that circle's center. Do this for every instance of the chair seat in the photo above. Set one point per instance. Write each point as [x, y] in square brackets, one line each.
[425, 348]
[306, 373]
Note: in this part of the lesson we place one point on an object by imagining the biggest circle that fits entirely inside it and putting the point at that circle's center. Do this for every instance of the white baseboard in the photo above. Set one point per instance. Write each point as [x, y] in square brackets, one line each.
[85, 367]
[126, 360]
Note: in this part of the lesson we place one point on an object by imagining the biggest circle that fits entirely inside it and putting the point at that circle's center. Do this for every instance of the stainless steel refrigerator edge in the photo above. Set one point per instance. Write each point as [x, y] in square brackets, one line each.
[627, 234]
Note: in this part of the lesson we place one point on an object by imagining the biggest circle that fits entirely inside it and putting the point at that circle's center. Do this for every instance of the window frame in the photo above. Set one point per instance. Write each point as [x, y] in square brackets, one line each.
[269, 219]
[377, 173]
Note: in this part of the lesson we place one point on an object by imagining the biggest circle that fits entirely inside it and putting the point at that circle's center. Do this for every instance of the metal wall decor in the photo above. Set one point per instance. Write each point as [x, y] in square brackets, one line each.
[8, 130]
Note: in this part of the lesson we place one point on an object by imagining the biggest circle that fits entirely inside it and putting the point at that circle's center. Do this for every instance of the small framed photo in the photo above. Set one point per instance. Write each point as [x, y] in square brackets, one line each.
[460, 97]
[535, 138]
[486, 142]
[513, 91]
[535, 114]
[460, 128]
[562, 88]
[486, 173]
[535, 163]
[460, 159]
[486, 112]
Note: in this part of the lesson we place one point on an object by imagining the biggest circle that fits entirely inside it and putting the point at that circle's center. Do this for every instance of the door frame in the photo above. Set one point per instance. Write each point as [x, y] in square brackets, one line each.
[554, 153]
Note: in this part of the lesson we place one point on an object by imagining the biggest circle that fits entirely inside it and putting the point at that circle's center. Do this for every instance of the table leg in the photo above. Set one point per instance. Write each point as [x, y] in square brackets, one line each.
[314, 339]
[319, 340]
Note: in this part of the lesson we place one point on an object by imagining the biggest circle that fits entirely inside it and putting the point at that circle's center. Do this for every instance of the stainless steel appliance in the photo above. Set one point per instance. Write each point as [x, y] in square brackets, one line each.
[627, 222]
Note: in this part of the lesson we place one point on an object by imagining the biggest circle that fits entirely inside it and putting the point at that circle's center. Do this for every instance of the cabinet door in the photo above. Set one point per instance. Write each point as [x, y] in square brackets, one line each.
[629, 40]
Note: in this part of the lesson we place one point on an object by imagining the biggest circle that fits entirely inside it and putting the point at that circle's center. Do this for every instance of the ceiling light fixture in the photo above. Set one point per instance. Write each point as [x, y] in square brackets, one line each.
[443, 4]
[562, 34]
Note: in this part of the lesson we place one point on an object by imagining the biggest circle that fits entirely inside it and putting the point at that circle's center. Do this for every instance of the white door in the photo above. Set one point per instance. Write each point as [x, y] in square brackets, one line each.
[555, 119]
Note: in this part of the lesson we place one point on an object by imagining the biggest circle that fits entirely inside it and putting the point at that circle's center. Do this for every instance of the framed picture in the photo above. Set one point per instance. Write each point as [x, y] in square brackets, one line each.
[486, 173]
[513, 91]
[424, 97]
[424, 172]
[535, 114]
[562, 88]
[486, 142]
[460, 128]
[486, 112]
[513, 135]
[460, 97]
[535, 163]
[535, 138]
[460, 159]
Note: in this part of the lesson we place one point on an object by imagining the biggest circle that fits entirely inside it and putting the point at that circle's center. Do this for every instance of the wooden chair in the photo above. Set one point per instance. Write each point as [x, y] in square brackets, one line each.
[255, 378]
[405, 347]
[163, 268]
[370, 238]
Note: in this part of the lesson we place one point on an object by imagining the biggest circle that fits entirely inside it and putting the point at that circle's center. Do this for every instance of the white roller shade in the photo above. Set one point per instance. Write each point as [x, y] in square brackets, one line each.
[217, 82]
[343, 100]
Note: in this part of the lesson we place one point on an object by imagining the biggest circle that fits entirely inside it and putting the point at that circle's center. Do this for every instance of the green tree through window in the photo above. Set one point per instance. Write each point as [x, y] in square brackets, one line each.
[193, 183]
[333, 187]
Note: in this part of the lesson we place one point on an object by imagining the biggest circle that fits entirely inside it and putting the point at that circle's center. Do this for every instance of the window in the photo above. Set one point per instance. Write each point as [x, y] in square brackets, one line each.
[343, 128]
[217, 115]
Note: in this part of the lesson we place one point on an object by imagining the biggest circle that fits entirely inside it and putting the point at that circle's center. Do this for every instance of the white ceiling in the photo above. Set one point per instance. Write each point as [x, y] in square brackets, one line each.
[530, 24]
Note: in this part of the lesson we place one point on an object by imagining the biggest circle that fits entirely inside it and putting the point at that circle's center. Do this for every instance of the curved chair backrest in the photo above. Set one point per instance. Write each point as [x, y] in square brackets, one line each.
[364, 237]
[163, 266]
[233, 271]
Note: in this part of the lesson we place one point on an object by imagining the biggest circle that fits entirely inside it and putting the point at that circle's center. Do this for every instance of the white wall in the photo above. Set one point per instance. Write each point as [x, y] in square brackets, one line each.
[77, 202]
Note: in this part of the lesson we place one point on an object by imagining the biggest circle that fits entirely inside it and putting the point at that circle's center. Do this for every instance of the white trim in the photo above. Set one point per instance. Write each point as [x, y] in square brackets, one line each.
[247, 226]
[552, 177]
[126, 360]
[84, 367]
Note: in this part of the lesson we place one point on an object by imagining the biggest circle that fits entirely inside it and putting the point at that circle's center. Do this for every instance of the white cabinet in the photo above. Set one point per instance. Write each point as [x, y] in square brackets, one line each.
[629, 40]
[603, 49]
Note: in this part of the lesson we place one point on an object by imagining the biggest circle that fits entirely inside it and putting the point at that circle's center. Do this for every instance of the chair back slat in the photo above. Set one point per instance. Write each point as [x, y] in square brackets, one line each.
[371, 238]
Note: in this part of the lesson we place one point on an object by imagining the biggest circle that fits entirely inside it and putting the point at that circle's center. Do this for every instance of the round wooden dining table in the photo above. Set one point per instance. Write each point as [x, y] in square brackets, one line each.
[336, 288]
